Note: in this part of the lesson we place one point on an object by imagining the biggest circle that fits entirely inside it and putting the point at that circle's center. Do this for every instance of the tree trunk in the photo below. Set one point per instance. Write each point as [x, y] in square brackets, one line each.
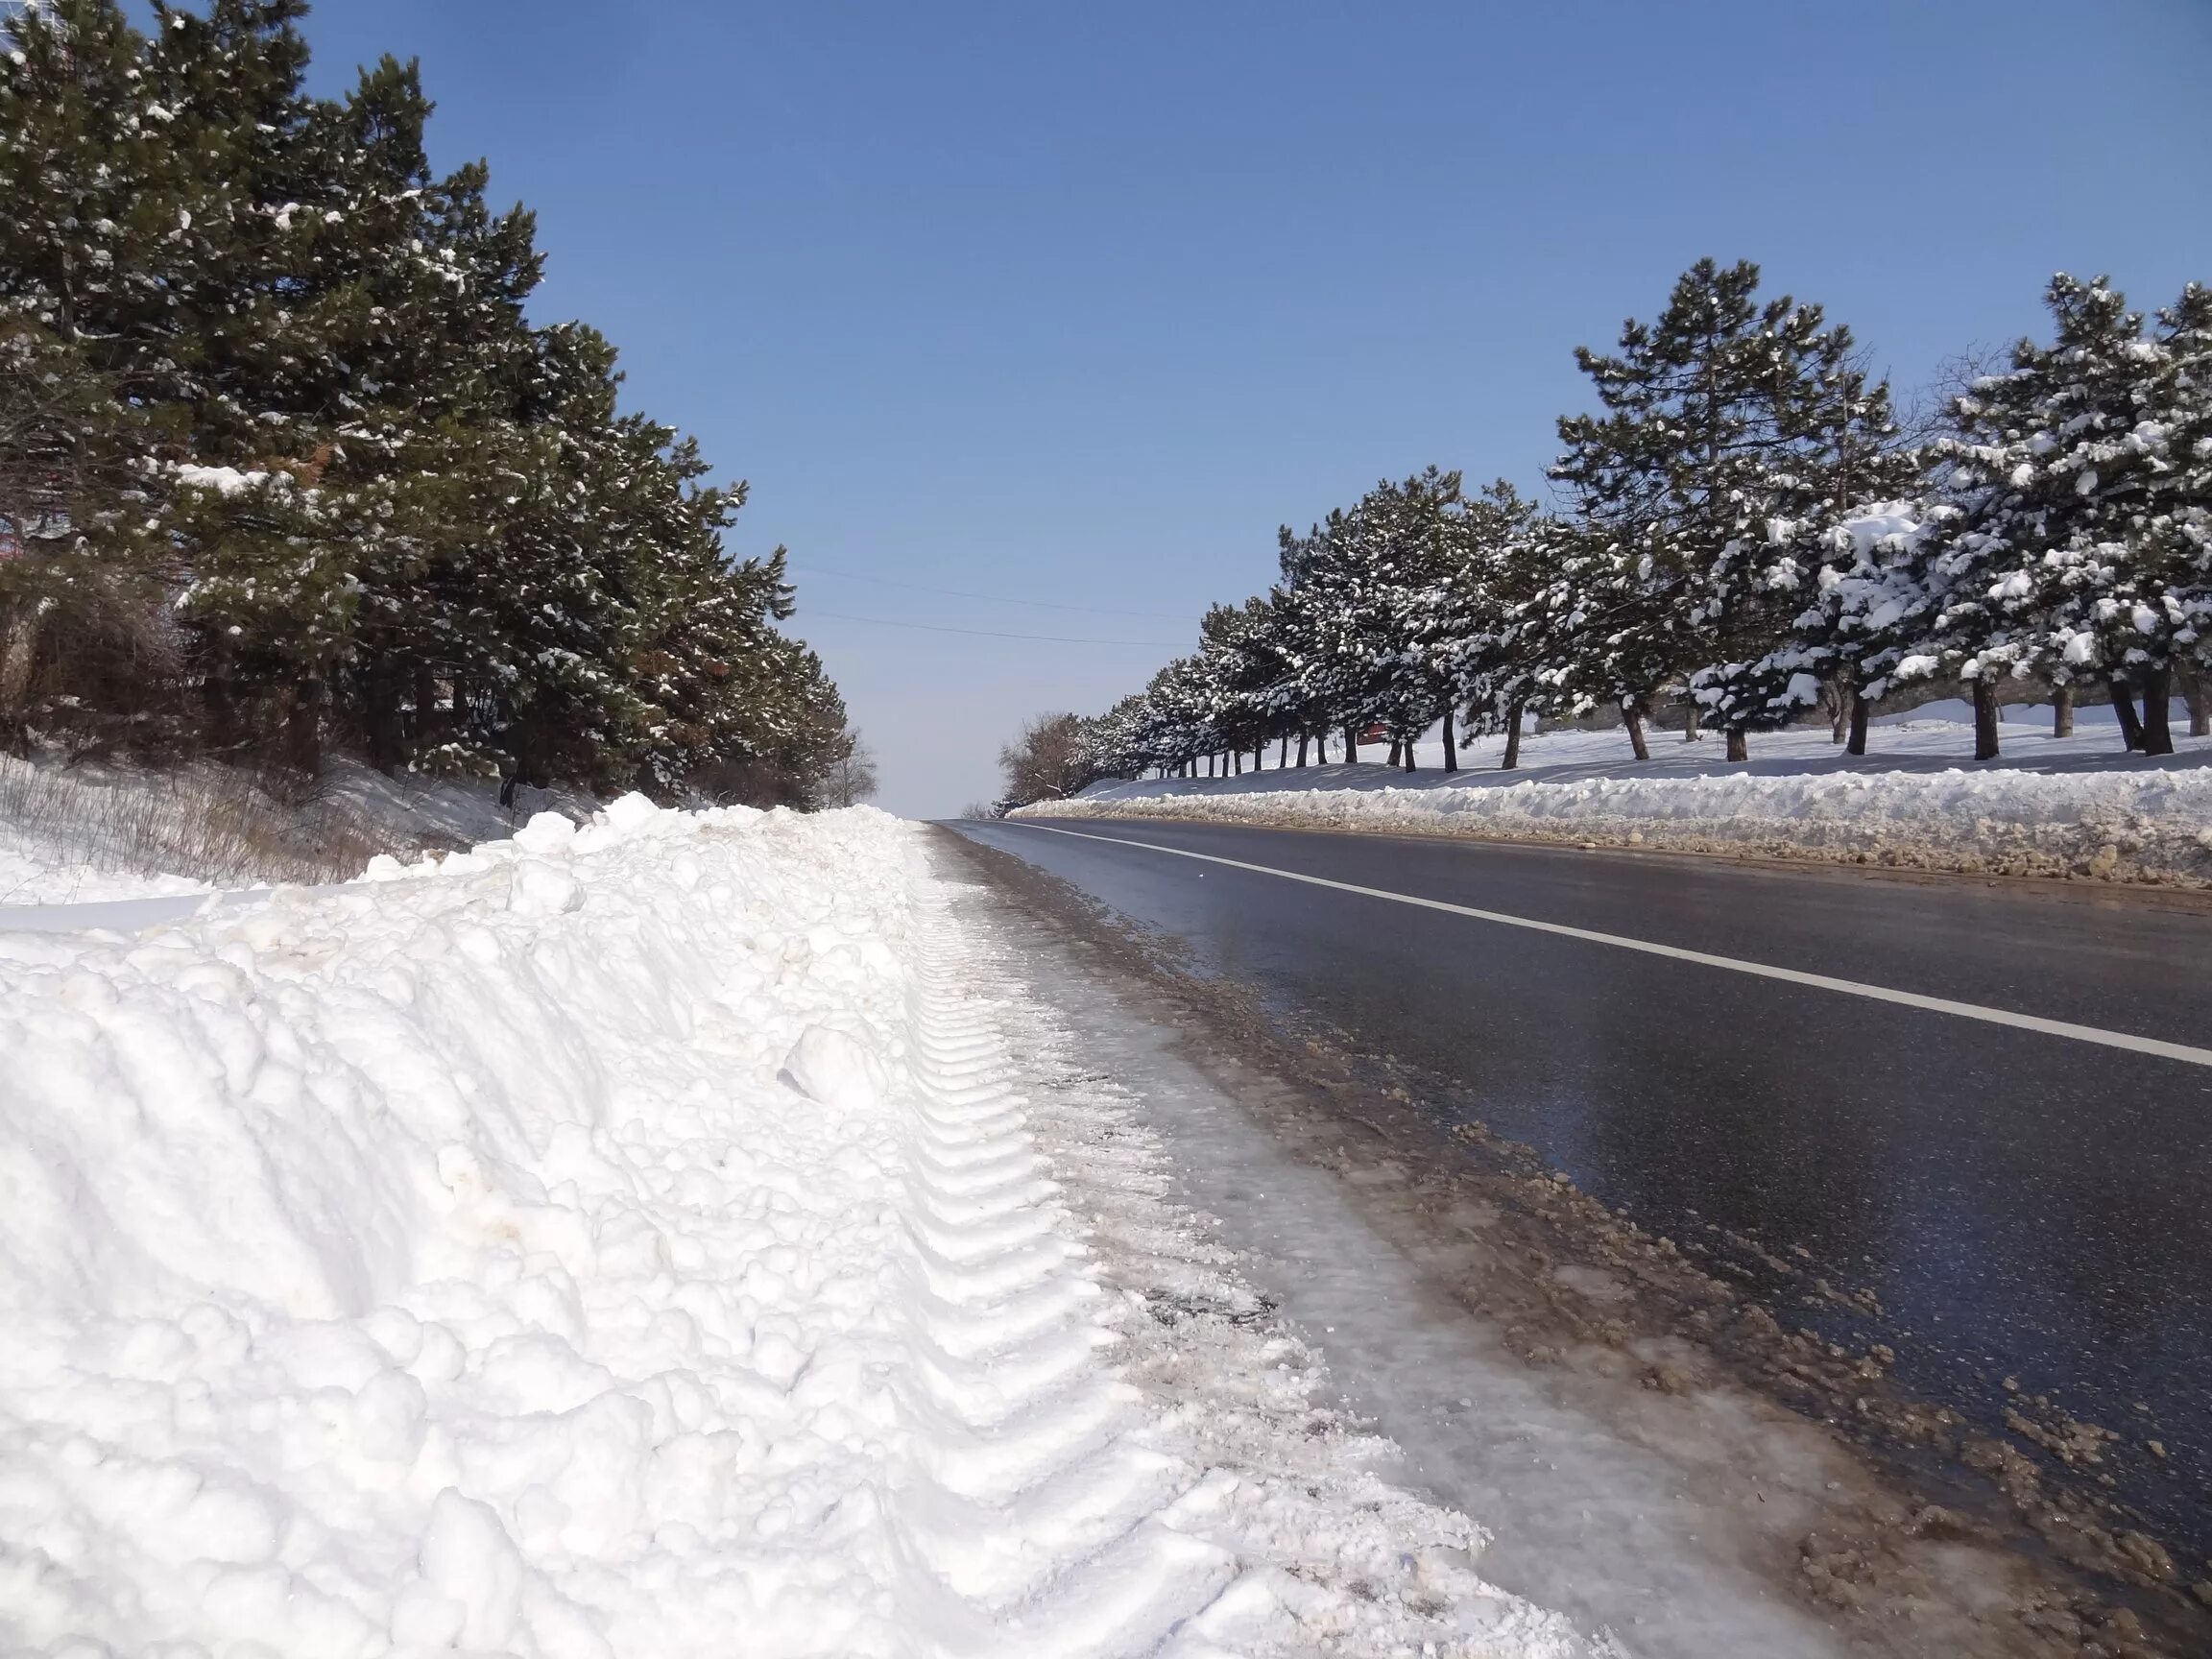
[429, 720]
[2062, 711]
[303, 728]
[1350, 745]
[1301, 745]
[1984, 720]
[1738, 748]
[386, 746]
[1840, 698]
[2200, 701]
[1689, 724]
[1861, 715]
[1236, 762]
[1451, 744]
[1283, 753]
[1512, 739]
[2124, 705]
[2157, 724]
[1395, 745]
[1634, 719]
[18, 653]
[1408, 754]
[1321, 748]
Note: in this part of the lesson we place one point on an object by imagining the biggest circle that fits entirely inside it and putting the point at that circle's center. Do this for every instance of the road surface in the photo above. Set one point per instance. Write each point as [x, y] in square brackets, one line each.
[2015, 1161]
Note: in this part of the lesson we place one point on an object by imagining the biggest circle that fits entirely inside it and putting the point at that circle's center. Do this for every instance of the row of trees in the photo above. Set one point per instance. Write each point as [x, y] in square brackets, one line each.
[284, 461]
[1741, 534]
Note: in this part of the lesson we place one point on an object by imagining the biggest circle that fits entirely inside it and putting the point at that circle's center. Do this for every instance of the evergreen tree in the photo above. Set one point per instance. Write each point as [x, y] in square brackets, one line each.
[288, 443]
[1867, 609]
[2177, 532]
[2048, 568]
[1734, 435]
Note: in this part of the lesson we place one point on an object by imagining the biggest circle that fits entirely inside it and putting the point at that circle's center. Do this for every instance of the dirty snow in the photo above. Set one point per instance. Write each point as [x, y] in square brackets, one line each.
[2047, 806]
[629, 1240]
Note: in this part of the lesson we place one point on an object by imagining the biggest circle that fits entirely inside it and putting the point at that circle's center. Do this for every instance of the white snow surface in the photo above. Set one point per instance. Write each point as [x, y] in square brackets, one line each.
[632, 1239]
[2047, 806]
[33, 872]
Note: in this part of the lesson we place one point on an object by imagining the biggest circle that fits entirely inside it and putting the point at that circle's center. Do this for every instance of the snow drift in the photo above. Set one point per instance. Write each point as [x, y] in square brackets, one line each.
[2144, 826]
[619, 1240]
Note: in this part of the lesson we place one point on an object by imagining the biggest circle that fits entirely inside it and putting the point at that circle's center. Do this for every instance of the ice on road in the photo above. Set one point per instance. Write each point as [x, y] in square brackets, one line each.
[636, 1240]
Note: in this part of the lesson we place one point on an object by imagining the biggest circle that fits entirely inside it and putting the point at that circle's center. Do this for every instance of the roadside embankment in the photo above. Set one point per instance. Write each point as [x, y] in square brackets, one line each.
[2150, 826]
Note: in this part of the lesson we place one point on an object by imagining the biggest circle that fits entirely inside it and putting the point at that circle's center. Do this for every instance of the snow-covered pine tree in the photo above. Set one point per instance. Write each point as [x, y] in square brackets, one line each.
[89, 221]
[1462, 628]
[1868, 608]
[1176, 700]
[343, 486]
[1555, 652]
[2177, 535]
[1653, 476]
[1724, 417]
[1113, 742]
[2047, 569]
[1586, 635]
[1829, 443]
[1321, 570]
[1422, 532]
[1298, 699]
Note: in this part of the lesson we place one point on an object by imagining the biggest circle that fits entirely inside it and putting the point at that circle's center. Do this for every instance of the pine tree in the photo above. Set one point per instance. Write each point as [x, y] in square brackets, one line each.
[88, 211]
[1732, 432]
[1867, 609]
[2177, 532]
[1463, 628]
[2048, 568]
[1830, 445]
[288, 440]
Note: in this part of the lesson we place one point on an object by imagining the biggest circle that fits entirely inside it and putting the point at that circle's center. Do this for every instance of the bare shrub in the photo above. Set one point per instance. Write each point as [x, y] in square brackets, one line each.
[215, 823]
[1048, 761]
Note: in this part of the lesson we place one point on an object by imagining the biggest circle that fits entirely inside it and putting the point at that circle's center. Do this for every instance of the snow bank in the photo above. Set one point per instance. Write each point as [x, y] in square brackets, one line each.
[618, 1240]
[2148, 825]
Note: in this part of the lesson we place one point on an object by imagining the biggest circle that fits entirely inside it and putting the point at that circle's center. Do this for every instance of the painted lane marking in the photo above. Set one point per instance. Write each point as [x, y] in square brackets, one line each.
[2163, 1049]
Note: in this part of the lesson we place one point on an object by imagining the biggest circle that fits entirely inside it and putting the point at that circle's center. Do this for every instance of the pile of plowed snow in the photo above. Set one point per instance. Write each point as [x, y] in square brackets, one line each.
[2148, 825]
[622, 1240]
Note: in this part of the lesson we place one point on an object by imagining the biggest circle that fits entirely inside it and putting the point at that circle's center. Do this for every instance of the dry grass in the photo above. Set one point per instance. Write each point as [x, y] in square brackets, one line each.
[211, 823]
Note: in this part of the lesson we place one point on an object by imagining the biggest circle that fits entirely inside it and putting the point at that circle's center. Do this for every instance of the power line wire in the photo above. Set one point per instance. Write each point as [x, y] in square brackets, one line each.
[989, 633]
[993, 598]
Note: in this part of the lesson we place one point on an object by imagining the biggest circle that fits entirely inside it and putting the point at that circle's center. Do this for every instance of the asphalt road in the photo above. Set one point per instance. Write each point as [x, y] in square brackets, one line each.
[2022, 1204]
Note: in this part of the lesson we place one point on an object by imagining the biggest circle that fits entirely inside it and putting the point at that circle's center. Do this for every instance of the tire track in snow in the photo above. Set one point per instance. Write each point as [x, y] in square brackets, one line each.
[1124, 1454]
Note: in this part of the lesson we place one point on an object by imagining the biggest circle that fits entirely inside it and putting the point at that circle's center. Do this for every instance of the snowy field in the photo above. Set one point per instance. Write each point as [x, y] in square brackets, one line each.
[2077, 805]
[635, 1240]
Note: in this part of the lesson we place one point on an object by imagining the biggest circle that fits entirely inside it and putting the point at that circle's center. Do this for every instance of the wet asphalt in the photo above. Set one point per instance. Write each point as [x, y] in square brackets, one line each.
[2001, 1206]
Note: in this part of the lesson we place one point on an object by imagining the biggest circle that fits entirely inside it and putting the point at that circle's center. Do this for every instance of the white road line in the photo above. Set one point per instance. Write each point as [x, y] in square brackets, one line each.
[1765, 971]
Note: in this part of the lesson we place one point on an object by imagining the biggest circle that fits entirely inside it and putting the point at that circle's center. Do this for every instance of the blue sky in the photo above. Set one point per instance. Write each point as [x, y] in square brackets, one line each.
[1077, 304]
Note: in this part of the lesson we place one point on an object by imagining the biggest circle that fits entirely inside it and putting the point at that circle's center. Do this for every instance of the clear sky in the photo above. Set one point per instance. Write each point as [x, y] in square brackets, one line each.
[1076, 304]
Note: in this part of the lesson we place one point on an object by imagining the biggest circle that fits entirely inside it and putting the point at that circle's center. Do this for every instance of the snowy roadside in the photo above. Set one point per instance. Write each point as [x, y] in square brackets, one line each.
[615, 1238]
[98, 832]
[2148, 824]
